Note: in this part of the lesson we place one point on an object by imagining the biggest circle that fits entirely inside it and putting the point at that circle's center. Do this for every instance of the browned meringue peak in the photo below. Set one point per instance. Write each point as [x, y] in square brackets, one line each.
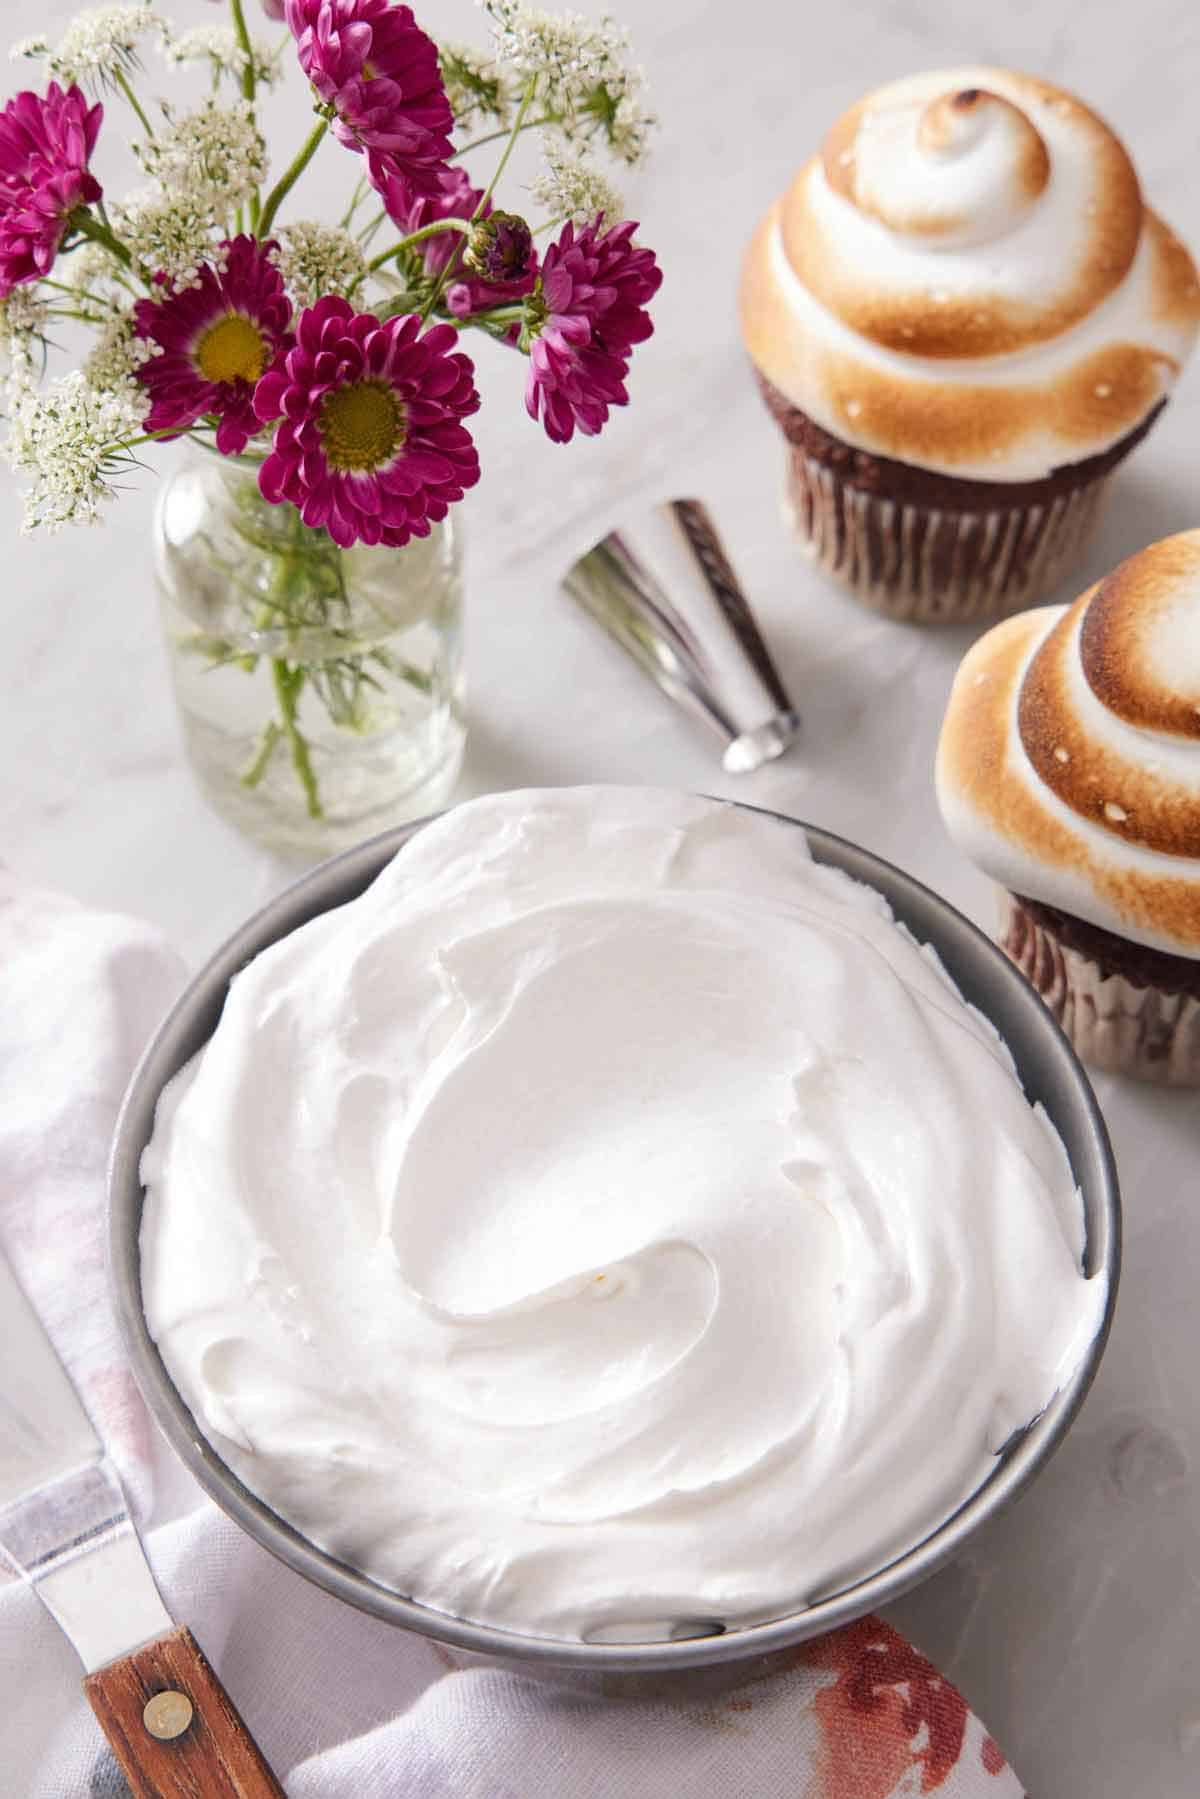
[947, 129]
[1069, 763]
[954, 166]
[967, 279]
[1124, 638]
[1140, 626]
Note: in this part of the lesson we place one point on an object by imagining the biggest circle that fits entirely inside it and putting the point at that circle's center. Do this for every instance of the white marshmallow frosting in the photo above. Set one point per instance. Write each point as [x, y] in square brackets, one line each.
[610, 1220]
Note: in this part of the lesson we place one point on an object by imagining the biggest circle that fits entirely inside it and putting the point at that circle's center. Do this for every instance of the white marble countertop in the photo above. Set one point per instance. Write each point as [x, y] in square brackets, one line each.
[1073, 1625]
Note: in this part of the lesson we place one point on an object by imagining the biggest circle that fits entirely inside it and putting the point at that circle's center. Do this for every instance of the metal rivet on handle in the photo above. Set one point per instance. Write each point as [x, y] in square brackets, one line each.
[167, 1715]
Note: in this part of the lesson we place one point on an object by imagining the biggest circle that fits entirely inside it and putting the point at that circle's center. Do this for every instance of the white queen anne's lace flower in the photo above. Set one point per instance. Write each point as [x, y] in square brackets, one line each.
[169, 235]
[70, 440]
[92, 276]
[476, 86]
[316, 260]
[212, 158]
[583, 69]
[573, 188]
[205, 164]
[98, 45]
[218, 46]
[116, 355]
[629, 127]
[24, 320]
[568, 52]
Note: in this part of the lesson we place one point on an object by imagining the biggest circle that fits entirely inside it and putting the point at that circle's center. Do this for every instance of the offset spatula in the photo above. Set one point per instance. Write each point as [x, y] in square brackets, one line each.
[64, 1524]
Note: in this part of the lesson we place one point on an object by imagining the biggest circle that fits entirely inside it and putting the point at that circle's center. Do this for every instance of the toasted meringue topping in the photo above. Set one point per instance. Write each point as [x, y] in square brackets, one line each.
[963, 168]
[971, 252]
[1069, 764]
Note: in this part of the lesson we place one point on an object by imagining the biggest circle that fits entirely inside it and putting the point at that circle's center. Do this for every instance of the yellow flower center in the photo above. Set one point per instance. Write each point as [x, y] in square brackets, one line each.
[362, 426]
[231, 350]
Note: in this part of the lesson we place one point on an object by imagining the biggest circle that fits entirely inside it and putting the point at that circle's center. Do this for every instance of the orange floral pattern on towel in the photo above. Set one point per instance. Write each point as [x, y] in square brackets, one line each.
[886, 1716]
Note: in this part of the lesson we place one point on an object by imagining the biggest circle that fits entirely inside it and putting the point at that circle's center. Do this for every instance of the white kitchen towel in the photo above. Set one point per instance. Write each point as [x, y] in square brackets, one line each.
[346, 1708]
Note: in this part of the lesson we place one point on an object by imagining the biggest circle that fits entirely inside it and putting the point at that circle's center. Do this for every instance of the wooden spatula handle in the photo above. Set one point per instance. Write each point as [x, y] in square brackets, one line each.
[174, 1728]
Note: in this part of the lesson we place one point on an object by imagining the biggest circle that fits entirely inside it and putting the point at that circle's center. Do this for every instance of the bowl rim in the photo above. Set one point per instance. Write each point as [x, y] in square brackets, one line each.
[336, 882]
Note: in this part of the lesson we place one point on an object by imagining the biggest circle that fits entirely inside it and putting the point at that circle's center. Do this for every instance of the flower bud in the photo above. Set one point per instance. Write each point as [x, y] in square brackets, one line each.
[499, 248]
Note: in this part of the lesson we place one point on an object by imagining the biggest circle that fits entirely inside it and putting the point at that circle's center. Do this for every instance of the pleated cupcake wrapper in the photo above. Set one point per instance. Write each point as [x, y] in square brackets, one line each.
[933, 566]
[1111, 1023]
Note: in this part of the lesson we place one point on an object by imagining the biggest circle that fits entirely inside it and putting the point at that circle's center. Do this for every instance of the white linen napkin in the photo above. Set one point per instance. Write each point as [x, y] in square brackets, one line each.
[344, 1707]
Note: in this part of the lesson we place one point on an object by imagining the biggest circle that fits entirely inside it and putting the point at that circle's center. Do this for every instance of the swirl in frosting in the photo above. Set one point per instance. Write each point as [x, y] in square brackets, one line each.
[967, 279]
[1069, 762]
[611, 1221]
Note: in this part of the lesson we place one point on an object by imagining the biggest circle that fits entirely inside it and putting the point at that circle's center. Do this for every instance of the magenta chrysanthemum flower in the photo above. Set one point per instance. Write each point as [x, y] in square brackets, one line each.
[379, 71]
[215, 340]
[45, 145]
[582, 321]
[370, 442]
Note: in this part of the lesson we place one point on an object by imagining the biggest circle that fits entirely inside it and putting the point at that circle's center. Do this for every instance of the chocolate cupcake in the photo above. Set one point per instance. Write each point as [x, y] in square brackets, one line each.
[1069, 770]
[962, 317]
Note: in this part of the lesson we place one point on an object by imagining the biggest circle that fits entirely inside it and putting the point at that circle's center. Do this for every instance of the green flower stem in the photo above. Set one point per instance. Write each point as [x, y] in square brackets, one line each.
[288, 678]
[88, 225]
[369, 230]
[500, 315]
[355, 200]
[417, 237]
[96, 321]
[79, 293]
[443, 280]
[270, 736]
[122, 82]
[244, 45]
[399, 304]
[494, 137]
[289, 684]
[517, 128]
[248, 86]
[290, 176]
[154, 437]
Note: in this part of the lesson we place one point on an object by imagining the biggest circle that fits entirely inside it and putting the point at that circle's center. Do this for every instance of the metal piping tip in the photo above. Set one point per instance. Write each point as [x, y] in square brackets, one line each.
[663, 587]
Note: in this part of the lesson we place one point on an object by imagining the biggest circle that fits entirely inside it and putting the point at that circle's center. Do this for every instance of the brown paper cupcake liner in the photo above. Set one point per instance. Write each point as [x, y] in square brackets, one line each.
[932, 565]
[1112, 1022]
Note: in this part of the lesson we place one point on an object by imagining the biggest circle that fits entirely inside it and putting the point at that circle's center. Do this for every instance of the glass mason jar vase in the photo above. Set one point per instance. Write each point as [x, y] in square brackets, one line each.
[320, 689]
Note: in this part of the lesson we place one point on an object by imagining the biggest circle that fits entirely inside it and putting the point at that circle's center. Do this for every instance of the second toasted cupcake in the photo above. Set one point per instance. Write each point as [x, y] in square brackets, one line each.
[1069, 770]
[963, 317]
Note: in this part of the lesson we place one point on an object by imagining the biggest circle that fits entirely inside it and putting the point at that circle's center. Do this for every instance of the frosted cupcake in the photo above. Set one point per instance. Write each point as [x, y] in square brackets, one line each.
[963, 317]
[1069, 770]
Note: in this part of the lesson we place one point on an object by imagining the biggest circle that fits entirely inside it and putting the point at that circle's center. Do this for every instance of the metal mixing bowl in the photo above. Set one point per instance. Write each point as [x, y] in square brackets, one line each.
[1048, 1068]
